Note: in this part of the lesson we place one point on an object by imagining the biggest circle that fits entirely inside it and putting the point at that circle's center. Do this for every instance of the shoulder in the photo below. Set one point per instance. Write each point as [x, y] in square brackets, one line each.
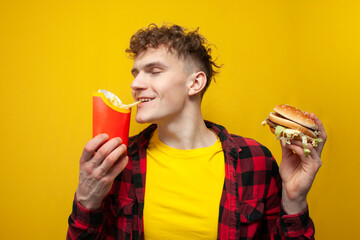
[250, 147]
[246, 147]
[254, 158]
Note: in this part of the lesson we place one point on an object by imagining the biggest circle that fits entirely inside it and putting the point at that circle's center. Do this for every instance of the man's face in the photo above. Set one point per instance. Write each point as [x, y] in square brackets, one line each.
[162, 79]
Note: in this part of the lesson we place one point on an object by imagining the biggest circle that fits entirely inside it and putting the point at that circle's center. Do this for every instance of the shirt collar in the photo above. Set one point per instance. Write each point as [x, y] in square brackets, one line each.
[142, 139]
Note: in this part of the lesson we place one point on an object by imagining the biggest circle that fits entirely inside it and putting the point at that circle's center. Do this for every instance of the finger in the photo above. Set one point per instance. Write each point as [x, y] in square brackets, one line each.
[295, 149]
[105, 150]
[111, 159]
[319, 124]
[290, 162]
[303, 161]
[322, 135]
[321, 128]
[286, 152]
[298, 149]
[296, 142]
[118, 167]
[91, 146]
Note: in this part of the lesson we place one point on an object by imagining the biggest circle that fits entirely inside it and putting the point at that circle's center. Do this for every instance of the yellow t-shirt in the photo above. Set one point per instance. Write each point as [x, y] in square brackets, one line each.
[183, 191]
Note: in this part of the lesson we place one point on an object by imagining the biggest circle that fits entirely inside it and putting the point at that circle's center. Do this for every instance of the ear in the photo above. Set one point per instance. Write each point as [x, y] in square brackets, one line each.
[197, 83]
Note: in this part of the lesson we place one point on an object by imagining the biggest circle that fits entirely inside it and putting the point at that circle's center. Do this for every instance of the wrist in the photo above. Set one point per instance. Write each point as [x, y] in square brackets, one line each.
[293, 205]
[86, 203]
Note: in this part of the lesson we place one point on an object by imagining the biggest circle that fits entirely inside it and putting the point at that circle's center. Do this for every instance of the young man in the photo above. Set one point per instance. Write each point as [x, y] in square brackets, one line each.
[183, 177]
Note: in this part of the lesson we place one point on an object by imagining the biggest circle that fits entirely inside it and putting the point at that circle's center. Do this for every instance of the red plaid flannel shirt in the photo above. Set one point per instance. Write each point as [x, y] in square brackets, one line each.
[250, 206]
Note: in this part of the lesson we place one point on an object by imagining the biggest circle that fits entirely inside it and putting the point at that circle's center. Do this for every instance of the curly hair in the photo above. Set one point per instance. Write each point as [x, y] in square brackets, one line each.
[187, 44]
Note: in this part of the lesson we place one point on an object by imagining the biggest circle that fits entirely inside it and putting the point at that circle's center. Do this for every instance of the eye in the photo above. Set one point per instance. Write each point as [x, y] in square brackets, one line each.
[134, 73]
[155, 71]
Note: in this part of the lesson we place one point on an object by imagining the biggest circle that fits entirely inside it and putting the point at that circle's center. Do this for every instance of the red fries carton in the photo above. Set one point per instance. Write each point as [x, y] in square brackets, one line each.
[110, 116]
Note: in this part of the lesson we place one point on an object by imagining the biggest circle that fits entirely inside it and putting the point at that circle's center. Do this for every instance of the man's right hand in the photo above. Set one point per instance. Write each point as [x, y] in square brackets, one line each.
[100, 163]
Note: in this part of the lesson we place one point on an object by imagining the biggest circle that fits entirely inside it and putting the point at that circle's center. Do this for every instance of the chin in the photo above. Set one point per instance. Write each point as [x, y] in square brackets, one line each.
[141, 119]
[150, 117]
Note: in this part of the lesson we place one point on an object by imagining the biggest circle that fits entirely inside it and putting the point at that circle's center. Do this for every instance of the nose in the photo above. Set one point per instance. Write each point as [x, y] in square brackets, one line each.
[138, 83]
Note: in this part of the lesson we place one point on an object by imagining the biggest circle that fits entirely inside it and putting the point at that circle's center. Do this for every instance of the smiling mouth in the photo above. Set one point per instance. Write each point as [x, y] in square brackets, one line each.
[145, 99]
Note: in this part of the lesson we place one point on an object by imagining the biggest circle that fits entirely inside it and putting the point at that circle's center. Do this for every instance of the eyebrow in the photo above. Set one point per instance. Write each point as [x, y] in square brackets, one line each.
[150, 65]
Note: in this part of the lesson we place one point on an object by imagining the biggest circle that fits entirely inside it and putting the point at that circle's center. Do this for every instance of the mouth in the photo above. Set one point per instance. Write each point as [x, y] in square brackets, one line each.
[145, 99]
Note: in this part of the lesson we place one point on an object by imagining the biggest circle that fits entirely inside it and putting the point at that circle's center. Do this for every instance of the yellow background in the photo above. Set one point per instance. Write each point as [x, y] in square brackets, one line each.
[54, 54]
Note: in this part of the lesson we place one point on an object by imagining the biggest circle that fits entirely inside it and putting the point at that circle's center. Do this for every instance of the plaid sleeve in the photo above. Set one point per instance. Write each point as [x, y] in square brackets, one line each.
[84, 223]
[297, 225]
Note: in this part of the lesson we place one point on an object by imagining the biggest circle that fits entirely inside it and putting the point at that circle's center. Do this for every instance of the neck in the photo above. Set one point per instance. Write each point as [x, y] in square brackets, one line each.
[187, 132]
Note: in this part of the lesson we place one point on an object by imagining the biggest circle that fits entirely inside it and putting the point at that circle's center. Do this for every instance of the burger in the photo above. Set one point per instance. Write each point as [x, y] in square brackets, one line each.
[288, 123]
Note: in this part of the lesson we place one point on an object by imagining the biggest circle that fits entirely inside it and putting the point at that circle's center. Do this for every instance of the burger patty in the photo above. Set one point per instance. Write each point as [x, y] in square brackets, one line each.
[271, 124]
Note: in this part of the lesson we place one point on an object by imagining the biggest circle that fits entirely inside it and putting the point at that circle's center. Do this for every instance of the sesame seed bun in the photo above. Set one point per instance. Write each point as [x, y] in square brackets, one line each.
[296, 115]
[279, 120]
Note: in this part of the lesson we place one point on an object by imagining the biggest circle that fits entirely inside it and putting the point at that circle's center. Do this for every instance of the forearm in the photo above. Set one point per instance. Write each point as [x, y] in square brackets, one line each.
[293, 205]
